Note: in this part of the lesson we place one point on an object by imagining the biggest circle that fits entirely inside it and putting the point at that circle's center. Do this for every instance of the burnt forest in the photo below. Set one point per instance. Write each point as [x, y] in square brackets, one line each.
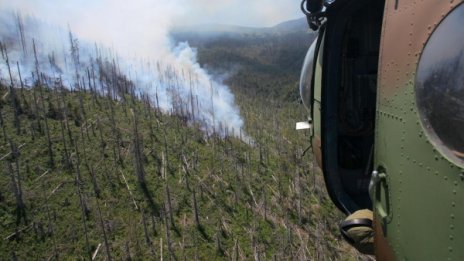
[106, 160]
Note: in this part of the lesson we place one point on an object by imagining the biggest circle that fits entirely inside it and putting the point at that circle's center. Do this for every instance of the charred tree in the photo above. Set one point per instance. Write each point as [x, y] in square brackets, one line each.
[195, 210]
[138, 157]
[47, 130]
[84, 210]
[102, 225]
[50, 224]
[168, 236]
[13, 98]
[16, 183]
[2, 122]
[20, 25]
[147, 237]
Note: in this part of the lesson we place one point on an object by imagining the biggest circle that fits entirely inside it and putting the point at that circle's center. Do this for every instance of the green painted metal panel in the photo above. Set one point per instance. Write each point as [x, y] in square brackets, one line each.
[426, 190]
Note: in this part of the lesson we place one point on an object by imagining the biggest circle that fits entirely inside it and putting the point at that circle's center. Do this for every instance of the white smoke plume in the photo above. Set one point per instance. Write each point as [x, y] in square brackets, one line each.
[133, 36]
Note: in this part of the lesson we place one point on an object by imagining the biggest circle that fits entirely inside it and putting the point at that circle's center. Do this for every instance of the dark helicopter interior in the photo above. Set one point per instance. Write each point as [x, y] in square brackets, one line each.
[351, 84]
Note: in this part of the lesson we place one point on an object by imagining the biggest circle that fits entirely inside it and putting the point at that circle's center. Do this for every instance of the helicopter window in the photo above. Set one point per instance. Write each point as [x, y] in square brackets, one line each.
[307, 76]
[440, 87]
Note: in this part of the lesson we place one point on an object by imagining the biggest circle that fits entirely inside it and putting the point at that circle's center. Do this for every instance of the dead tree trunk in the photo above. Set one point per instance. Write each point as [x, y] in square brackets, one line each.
[18, 195]
[147, 237]
[138, 159]
[14, 99]
[102, 224]
[117, 135]
[21, 83]
[16, 183]
[20, 25]
[195, 209]
[5, 138]
[168, 236]
[50, 224]
[47, 132]
[50, 149]
[169, 205]
[84, 209]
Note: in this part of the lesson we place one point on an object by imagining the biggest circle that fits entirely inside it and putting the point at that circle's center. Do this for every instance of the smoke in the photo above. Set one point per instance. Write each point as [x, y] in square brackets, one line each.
[131, 37]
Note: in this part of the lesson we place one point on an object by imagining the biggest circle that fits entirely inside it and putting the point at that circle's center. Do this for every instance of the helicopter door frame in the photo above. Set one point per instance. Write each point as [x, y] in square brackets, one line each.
[343, 181]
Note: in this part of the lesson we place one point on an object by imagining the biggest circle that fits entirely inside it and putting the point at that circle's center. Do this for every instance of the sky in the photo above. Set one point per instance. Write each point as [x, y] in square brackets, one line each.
[254, 13]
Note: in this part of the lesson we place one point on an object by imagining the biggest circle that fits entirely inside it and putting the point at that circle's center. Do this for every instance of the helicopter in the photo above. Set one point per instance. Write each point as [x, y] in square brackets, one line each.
[383, 84]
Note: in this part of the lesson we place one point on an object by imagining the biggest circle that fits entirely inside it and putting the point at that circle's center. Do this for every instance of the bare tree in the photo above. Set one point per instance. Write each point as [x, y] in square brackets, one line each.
[138, 159]
[50, 224]
[2, 122]
[47, 130]
[20, 25]
[16, 183]
[83, 205]
[13, 98]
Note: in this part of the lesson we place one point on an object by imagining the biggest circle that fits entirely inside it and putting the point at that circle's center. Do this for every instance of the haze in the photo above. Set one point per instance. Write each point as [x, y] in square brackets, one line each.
[254, 13]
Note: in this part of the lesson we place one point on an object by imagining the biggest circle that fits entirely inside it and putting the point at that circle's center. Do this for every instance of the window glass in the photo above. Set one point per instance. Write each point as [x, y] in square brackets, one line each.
[440, 87]
[307, 76]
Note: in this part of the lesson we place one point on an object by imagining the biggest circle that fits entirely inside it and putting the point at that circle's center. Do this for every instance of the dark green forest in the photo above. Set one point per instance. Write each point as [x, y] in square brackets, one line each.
[106, 174]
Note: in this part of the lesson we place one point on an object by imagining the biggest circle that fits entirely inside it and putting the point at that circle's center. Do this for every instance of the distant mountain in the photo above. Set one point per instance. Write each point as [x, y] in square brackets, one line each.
[297, 25]
[291, 26]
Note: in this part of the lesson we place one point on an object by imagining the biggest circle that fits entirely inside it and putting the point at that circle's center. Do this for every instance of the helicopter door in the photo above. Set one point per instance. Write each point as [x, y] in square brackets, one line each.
[348, 101]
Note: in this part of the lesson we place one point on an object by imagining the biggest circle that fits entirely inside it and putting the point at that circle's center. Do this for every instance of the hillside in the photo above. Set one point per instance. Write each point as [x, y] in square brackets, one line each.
[99, 170]
[84, 170]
